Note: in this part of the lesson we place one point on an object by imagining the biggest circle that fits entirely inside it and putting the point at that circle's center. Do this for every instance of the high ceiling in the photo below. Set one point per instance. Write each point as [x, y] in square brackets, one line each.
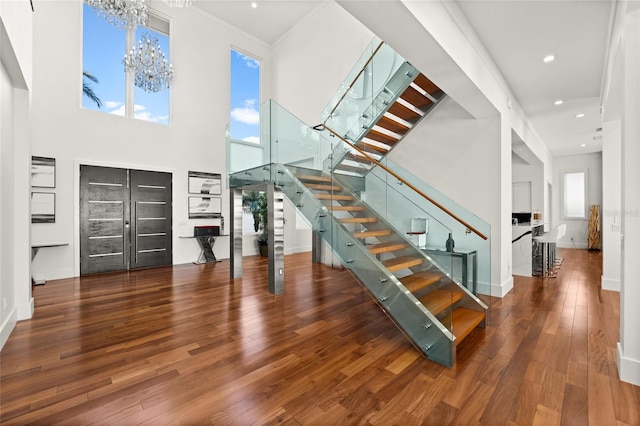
[517, 34]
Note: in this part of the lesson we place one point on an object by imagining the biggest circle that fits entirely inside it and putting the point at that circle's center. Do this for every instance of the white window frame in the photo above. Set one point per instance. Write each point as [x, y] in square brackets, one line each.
[565, 214]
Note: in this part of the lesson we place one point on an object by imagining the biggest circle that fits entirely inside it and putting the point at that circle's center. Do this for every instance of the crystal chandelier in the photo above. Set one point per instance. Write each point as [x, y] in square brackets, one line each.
[121, 13]
[178, 3]
[150, 69]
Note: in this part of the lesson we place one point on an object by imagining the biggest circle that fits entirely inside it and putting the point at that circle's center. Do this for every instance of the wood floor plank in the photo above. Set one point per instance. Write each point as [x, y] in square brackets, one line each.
[187, 345]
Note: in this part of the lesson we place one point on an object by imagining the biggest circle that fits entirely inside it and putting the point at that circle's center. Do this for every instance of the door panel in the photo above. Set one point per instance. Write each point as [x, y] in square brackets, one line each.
[126, 219]
[104, 216]
[151, 244]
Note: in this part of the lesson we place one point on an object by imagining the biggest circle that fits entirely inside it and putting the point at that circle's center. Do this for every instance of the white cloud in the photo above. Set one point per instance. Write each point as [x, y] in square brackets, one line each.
[118, 111]
[252, 139]
[249, 61]
[140, 112]
[112, 104]
[247, 114]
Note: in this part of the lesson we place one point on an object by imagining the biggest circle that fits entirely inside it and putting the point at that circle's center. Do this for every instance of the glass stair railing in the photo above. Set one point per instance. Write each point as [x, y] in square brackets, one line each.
[416, 292]
[382, 99]
[366, 223]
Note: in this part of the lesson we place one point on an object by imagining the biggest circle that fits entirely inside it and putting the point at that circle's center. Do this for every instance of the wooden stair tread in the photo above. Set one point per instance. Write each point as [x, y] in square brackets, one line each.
[427, 85]
[372, 148]
[440, 299]
[346, 208]
[464, 321]
[421, 280]
[402, 262]
[350, 168]
[333, 197]
[381, 137]
[403, 112]
[315, 178]
[358, 158]
[323, 187]
[392, 125]
[375, 233]
[358, 220]
[415, 98]
[387, 247]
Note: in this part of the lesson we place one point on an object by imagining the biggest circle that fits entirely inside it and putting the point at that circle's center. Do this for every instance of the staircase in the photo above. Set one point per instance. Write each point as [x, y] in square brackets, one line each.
[327, 180]
[402, 103]
[445, 299]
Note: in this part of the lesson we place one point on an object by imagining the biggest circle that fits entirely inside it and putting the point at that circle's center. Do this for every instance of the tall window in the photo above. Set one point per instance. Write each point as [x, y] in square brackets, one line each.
[574, 187]
[104, 47]
[245, 98]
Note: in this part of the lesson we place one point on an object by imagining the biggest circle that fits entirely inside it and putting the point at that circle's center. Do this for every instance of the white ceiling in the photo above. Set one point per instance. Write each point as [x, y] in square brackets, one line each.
[517, 34]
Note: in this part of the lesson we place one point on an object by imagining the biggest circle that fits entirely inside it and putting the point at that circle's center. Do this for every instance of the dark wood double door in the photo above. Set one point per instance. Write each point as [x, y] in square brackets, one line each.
[125, 219]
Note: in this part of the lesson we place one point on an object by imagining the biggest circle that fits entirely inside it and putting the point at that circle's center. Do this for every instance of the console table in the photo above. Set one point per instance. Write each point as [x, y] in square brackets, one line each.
[206, 243]
[464, 265]
[35, 247]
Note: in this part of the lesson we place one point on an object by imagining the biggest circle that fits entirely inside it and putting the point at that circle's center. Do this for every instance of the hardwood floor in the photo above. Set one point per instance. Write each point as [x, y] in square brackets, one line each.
[185, 345]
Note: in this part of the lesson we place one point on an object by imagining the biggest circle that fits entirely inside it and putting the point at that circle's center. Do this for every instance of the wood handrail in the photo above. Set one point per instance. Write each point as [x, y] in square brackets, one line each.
[354, 80]
[401, 179]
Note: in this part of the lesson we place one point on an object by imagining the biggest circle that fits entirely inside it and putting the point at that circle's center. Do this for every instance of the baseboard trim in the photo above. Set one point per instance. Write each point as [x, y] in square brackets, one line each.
[496, 290]
[7, 326]
[628, 369]
[610, 284]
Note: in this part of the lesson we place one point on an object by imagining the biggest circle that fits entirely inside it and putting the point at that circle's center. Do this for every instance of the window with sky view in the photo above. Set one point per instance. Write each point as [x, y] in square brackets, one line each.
[104, 47]
[245, 98]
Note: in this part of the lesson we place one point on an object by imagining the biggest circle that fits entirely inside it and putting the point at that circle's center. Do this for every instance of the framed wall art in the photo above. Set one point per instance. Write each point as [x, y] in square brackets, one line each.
[205, 183]
[43, 172]
[43, 207]
[205, 207]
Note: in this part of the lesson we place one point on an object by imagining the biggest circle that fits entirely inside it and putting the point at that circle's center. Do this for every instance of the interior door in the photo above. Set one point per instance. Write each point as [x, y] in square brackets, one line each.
[126, 218]
[104, 220]
[151, 219]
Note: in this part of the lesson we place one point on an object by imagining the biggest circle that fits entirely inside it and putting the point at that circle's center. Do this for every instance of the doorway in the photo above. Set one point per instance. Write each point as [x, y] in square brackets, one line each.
[125, 219]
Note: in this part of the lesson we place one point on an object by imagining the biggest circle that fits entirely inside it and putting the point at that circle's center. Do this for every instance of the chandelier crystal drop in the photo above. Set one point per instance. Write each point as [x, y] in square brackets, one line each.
[121, 13]
[178, 3]
[149, 66]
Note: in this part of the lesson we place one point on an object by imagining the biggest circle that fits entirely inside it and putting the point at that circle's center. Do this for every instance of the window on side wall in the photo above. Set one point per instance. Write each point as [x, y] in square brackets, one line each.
[106, 87]
[574, 190]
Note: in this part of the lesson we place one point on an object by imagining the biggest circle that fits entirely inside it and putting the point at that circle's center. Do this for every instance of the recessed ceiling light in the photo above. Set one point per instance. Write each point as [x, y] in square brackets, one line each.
[549, 58]
[254, 4]
[583, 145]
[558, 102]
[580, 115]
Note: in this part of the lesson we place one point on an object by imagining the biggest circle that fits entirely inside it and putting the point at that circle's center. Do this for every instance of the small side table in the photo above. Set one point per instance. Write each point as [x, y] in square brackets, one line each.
[35, 247]
[206, 244]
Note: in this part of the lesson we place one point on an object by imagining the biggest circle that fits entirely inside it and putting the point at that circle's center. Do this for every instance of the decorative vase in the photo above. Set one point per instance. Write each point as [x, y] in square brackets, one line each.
[450, 244]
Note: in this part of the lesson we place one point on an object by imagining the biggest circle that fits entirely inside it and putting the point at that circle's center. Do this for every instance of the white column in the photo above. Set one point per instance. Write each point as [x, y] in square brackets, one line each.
[611, 208]
[21, 204]
[629, 345]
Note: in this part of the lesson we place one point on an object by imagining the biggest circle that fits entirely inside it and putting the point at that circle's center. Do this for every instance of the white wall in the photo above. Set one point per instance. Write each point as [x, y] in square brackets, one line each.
[577, 228]
[195, 140]
[621, 101]
[16, 302]
[312, 59]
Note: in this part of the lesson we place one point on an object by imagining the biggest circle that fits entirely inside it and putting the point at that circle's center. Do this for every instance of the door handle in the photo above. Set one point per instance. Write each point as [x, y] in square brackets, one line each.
[126, 224]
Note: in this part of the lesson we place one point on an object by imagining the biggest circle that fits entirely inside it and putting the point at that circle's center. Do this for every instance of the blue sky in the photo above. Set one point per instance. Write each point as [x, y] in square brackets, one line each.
[103, 50]
[245, 97]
